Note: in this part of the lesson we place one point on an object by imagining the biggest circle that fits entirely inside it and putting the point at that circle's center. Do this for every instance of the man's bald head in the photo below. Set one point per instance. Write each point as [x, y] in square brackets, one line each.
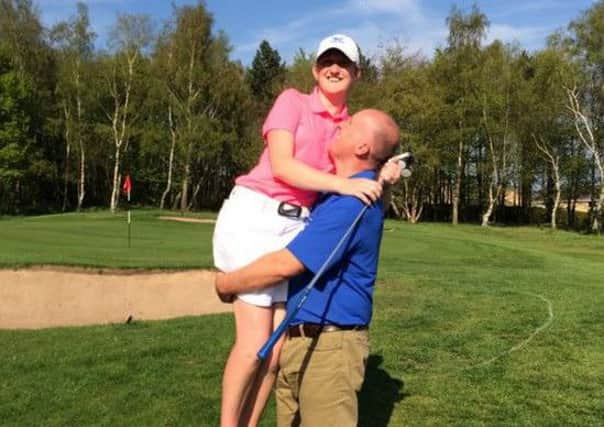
[382, 133]
[365, 142]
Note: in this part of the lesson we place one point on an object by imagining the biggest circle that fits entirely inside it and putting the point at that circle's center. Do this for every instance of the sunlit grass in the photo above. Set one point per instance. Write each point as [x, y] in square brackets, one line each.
[451, 305]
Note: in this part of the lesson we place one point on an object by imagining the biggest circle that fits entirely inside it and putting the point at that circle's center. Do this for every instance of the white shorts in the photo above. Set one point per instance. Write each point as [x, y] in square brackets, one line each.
[249, 226]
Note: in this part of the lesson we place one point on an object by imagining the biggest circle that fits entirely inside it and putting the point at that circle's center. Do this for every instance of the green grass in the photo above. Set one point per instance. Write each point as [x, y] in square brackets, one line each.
[448, 300]
[100, 239]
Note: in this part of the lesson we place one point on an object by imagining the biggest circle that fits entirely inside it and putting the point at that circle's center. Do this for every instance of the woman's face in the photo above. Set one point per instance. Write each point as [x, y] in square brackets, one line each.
[334, 72]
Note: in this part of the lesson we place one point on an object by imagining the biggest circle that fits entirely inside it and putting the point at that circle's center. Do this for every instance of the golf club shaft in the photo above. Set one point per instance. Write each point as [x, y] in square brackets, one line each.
[405, 160]
[266, 349]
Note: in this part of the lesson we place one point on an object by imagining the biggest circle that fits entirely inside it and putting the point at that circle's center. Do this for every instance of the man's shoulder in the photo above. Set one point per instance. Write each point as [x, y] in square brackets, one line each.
[343, 202]
[328, 203]
[341, 208]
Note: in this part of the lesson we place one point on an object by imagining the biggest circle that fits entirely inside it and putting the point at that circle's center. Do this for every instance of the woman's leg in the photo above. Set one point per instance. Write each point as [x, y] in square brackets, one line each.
[262, 386]
[253, 326]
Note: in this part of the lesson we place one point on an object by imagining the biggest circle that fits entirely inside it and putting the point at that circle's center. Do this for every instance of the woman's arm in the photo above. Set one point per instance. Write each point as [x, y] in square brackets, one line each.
[294, 172]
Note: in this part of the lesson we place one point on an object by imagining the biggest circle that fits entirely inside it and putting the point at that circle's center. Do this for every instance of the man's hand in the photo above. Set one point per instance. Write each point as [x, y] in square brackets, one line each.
[219, 282]
[390, 173]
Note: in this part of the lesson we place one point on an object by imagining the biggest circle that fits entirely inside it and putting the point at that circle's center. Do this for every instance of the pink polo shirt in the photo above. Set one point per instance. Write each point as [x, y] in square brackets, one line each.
[313, 128]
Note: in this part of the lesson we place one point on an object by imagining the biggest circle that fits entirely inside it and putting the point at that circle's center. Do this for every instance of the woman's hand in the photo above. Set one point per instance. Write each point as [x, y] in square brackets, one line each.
[367, 190]
[390, 173]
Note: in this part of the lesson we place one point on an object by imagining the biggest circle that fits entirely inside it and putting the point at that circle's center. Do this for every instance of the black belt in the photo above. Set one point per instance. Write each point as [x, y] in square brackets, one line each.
[289, 210]
[312, 330]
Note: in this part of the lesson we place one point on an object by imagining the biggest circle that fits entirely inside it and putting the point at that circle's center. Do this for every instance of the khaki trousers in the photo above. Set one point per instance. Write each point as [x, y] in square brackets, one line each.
[319, 379]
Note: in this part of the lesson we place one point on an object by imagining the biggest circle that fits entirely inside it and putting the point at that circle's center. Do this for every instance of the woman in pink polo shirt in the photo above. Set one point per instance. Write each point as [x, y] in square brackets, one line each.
[268, 207]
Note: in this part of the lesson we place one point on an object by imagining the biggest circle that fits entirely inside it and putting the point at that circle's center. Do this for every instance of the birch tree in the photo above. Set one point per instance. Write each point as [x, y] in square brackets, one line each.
[466, 32]
[185, 51]
[74, 41]
[586, 97]
[495, 98]
[550, 128]
[163, 61]
[407, 92]
[129, 37]
[587, 131]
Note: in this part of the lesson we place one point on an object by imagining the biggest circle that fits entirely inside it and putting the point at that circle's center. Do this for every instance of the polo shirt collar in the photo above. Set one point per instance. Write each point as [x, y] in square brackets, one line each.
[317, 107]
[369, 174]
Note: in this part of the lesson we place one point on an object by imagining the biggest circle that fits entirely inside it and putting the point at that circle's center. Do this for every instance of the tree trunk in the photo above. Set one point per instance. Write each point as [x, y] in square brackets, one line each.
[192, 95]
[394, 208]
[66, 177]
[498, 173]
[554, 160]
[116, 181]
[489, 211]
[82, 188]
[67, 151]
[184, 200]
[599, 203]
[585, 130]
[558, 185]
[120, 123]
[82, 179]
[170, 161]
[412, 204]
[493, 197]
[176, 201]
[194, 196]
[458, 179]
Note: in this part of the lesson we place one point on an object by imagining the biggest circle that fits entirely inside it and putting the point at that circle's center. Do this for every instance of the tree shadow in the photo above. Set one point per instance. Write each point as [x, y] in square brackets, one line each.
[379, 394]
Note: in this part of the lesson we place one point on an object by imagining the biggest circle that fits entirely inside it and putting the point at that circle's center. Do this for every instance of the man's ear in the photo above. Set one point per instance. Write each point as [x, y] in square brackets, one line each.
[362, 149]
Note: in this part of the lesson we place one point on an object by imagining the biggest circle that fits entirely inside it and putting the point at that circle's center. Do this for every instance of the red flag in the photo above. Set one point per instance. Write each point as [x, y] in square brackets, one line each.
[127, 187]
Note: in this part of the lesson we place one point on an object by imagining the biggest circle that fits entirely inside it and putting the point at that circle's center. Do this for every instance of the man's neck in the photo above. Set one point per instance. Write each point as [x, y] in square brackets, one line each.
[350, 167]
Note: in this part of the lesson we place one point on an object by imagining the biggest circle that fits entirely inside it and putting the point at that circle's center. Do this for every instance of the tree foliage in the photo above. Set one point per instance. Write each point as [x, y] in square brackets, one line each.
[266, 74]
[500, 133]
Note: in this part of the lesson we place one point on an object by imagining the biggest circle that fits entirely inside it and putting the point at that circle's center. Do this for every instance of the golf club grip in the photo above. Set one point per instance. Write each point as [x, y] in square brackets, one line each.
[266, 349]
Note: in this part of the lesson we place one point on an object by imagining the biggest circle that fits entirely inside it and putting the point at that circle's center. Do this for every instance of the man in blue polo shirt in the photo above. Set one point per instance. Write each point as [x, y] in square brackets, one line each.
[322, 363]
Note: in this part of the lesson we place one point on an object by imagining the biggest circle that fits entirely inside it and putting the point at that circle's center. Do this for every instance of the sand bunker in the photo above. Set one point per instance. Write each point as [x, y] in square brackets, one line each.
[46, 297]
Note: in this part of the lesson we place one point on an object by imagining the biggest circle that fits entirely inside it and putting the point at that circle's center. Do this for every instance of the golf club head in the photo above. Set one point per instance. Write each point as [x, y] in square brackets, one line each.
[405, 161]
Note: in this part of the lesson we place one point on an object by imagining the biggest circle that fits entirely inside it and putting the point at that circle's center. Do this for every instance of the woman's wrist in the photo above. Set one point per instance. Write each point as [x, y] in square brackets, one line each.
[338, 185]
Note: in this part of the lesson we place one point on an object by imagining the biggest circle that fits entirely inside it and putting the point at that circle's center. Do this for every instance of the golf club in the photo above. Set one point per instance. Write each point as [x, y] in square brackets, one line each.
[405, 161]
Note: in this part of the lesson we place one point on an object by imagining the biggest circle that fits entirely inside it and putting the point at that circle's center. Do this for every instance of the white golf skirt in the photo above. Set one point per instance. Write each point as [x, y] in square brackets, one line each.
[249, 226]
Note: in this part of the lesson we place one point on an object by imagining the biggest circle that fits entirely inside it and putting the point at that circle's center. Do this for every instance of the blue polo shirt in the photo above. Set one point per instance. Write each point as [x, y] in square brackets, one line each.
[344, 294]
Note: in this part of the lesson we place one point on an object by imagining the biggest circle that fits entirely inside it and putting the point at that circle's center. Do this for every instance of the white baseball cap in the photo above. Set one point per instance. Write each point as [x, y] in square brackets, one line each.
[343, 43]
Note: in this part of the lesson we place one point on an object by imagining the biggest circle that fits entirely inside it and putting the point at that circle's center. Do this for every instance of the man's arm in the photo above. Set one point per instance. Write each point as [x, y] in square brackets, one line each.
[262, 273]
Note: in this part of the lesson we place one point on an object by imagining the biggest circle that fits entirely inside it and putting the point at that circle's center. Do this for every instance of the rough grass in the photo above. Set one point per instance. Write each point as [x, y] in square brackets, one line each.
[450, 305]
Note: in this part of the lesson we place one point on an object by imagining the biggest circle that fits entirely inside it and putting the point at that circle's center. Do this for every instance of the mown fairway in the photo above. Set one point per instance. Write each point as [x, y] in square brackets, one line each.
[101, 239]
[471, 327]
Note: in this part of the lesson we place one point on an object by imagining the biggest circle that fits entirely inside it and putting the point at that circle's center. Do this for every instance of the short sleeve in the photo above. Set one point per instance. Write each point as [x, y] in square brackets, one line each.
[329, 223]
[285, 113]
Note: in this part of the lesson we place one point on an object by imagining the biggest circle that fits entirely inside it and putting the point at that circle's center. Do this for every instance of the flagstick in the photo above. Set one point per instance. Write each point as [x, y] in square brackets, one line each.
[129, 218]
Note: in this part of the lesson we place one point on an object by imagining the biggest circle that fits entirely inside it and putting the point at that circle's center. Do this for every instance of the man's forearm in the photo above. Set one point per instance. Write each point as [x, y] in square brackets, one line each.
[265, 272]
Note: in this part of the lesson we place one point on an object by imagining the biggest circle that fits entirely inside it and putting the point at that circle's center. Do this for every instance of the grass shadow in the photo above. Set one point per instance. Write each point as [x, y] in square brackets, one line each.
[379, 394]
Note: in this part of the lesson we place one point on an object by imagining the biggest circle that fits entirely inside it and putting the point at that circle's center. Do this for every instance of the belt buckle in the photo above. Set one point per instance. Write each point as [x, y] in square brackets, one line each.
[289, 210]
